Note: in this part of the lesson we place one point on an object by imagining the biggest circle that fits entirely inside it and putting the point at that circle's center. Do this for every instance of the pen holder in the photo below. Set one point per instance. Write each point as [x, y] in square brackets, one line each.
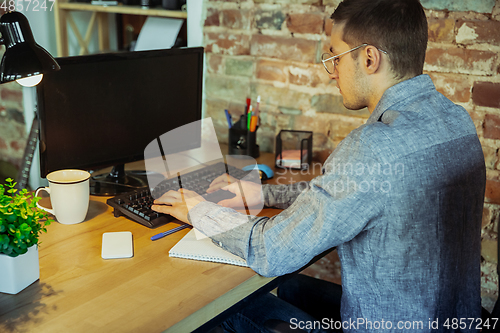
[294, 149]
[243, 142]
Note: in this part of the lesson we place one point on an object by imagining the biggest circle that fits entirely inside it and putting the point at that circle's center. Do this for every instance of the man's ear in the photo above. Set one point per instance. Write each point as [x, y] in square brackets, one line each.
[372, 59]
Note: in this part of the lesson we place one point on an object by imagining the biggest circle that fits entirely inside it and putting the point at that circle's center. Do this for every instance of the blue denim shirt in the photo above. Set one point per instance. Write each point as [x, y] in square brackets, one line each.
[401, 197]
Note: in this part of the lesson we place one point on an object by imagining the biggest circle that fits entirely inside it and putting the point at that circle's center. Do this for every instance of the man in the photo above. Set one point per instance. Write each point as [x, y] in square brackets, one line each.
[401, 196]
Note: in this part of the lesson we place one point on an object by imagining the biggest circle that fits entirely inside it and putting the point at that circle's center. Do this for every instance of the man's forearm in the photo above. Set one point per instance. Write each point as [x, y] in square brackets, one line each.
[282, 196]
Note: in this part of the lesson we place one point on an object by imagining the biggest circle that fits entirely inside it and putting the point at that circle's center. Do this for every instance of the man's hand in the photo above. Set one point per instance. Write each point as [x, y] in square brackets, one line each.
[177, 203]
[251, 191]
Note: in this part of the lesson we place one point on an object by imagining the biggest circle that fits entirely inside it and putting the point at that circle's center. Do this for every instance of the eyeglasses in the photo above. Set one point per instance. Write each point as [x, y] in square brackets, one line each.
[330, 61]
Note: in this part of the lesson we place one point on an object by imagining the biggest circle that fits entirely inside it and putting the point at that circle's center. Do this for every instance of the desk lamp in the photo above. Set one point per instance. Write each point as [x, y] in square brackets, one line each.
[24, 60]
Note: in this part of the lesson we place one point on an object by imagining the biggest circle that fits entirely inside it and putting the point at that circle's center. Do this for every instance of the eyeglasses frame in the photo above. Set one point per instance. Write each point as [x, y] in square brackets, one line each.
[343, 53]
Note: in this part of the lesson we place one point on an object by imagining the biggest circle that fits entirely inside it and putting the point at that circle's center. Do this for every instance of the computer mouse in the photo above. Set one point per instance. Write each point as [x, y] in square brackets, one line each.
[264, 171]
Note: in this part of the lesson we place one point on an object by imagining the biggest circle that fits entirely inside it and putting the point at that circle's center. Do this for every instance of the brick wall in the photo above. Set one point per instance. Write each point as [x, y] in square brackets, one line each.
[13, 134]
[271, 48]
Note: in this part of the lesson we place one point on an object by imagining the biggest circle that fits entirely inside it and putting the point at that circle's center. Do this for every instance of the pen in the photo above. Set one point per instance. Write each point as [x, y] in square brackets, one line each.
[253, 124]
[169, 232]
[249, 117]
[245, 120]
[229, 119]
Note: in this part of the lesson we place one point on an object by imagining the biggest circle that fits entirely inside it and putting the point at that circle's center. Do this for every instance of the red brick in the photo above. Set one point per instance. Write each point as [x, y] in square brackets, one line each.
[328, 26]
[227, 43]
[441, 30]
[456, 88]
[212, 17]
[271, 70]
[486, 94]
[478, 119]
[492, 193]
[236, 19]
[14, 95]
[481, 31]
[3, 144]
[461, 60]
[491, 127]
[294, 49]
[17, 146]
[306, 23]
[214, 63]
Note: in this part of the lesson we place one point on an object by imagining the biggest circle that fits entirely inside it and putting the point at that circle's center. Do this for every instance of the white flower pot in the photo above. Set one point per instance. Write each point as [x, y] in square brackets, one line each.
[16, 273]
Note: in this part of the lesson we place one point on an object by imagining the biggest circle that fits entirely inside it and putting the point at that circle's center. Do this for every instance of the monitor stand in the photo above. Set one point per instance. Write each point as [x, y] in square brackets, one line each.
[120, 181]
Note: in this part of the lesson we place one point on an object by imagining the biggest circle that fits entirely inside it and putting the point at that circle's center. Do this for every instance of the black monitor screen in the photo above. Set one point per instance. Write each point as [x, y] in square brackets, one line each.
[103, 110]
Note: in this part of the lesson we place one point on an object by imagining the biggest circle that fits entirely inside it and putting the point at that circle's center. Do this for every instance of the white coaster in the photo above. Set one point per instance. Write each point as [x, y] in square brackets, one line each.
[117, 245]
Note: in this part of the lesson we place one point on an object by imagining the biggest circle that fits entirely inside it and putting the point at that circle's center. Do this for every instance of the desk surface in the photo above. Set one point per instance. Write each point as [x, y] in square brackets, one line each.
[151, 292]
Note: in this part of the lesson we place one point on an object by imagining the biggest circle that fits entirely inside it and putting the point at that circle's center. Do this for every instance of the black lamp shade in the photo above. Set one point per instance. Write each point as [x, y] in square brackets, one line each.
[23, 57]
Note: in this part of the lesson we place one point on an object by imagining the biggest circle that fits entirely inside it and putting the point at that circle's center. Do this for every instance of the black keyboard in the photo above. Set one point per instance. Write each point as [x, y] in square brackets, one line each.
[136, 204]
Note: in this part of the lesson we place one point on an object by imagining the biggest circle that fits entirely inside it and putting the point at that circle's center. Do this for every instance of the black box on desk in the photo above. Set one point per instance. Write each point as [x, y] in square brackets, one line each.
[294, 149]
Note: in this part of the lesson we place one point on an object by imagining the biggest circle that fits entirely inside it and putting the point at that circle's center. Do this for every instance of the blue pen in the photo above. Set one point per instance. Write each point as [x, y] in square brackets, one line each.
[229, 119]
[169, 232]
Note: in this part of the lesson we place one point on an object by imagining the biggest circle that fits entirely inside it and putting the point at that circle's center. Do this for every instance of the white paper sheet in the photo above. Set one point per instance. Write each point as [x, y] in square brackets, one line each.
[158, 33]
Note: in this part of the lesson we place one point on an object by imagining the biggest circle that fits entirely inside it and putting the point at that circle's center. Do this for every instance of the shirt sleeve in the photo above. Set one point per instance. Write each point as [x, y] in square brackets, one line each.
[282, 196]
[334, 208]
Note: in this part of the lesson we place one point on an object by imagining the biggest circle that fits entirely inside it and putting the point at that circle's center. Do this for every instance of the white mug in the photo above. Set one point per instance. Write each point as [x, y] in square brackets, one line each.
[69, 194]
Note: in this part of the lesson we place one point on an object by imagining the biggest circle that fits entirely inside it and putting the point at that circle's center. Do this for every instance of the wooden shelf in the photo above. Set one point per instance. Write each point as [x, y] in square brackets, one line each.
[122, 9]
[100, 13]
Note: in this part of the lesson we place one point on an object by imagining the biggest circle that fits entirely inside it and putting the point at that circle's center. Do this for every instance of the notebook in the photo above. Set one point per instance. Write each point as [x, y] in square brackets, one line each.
[203, 249]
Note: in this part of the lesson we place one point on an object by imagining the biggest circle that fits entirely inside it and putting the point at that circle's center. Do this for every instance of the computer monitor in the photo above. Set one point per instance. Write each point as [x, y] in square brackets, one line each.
[103, 110]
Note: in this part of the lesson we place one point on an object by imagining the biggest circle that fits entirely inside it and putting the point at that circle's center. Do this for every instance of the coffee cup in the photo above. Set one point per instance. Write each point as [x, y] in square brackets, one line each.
[69, 194]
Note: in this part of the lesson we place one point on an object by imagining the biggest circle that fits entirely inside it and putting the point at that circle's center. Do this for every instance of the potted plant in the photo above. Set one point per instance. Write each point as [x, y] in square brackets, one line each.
[21, 224]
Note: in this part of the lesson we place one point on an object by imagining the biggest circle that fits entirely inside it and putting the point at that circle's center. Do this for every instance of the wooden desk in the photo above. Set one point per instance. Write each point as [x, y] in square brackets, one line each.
[78, 291]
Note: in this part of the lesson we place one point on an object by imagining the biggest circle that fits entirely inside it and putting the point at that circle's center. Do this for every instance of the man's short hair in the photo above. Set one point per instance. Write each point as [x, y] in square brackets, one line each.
[398, 27]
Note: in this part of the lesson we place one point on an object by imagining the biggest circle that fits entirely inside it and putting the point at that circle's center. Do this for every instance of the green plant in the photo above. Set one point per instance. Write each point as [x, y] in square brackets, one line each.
[21, 222]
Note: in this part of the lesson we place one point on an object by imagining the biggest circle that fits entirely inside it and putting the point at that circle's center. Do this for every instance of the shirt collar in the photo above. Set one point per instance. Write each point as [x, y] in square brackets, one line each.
[405, 90]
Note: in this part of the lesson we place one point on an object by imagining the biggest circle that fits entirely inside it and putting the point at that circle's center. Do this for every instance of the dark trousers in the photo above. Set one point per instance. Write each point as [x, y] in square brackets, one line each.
[307, 303]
